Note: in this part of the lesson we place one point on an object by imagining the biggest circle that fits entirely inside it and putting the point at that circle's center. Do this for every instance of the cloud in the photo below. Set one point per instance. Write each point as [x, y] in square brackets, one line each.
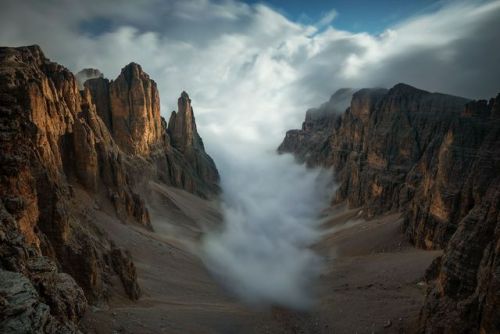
[263, 254]
[327, 18]
[251, 71]
[251, 74]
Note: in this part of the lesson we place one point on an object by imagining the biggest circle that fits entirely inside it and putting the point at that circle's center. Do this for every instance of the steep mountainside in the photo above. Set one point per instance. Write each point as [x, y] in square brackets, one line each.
[434, 157]
[130, 108]
[310, 144]
[56, 142]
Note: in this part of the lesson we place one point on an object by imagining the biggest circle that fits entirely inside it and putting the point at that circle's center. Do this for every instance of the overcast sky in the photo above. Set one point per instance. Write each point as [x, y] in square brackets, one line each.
[252, 69]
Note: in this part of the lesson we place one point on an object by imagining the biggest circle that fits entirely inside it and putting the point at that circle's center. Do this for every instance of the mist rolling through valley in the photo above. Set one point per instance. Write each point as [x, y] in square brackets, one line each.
[271, 207]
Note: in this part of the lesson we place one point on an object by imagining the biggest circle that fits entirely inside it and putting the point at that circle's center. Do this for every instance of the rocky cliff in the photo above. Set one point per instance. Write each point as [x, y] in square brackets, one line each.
[310, 144]
[130, 108]
[435, 158]
[67, 148]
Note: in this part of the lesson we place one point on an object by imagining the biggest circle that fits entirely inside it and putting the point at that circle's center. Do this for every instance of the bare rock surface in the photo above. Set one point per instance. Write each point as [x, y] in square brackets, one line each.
[175, 154]
[65, 139]
[435, 158]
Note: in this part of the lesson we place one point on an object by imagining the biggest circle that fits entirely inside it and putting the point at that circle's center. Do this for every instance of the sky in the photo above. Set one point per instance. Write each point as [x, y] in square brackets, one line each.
[354, 15]
[252, 69]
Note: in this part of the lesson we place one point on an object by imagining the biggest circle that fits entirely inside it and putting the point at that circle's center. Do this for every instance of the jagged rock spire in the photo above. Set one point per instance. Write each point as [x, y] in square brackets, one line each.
[182, 126]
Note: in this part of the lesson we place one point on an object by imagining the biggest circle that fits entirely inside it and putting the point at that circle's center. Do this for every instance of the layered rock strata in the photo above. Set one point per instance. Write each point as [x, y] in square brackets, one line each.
[435, 158]
[130, 108]
[61, 140]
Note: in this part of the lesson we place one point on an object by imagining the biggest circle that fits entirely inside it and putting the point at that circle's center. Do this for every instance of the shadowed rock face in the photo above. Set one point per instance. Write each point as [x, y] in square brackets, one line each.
[57, 142]
[434, 157]
[182, 126]
[310, 144]
[185, 139]
[463, 197]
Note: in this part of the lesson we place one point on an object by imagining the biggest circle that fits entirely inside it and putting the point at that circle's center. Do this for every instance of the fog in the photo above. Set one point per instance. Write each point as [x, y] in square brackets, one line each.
[270, 207]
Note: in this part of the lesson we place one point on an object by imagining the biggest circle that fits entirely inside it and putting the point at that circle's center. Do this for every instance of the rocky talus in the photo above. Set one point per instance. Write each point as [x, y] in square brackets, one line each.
[61, 139]
[435, 158]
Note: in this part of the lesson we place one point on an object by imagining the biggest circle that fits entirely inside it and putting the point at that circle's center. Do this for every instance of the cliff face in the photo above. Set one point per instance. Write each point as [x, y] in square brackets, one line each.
[51, 138]
[435, 158]
[463, 197]
[130, 108]
[186, 141]
[57, 143]
[310, 144]
[374, 145]
[135, 111]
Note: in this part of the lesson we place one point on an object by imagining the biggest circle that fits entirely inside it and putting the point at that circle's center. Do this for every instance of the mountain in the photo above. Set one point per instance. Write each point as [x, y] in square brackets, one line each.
[130, 108]
[308, 143]
[435, 158]
[69, 147]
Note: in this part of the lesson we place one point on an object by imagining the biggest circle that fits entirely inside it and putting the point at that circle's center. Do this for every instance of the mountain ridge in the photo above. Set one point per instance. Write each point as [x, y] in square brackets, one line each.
[434, 158]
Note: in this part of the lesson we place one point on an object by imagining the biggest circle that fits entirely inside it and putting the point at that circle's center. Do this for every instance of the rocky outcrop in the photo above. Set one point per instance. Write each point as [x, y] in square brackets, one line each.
[185, 139]
[68, 143]
[374, 145]
[463, 199]
[130, 108]
[135, 111]
[121, 260]
[22, 309]
[182, 126]
[52, 142]
[435, 158]
[99, 91]
[310, 144]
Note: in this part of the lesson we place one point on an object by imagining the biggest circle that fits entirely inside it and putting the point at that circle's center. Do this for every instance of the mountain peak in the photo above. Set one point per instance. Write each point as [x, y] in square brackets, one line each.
[402, 88]
[133, 70]
[132, 65]
[185, 95]
[182, 125]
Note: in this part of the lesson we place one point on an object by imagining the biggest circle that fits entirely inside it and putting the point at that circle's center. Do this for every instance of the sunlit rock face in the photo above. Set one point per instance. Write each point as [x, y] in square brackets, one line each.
[53, 142]
[61, 142]
[434, 157]
[130, 108]
[135, 111]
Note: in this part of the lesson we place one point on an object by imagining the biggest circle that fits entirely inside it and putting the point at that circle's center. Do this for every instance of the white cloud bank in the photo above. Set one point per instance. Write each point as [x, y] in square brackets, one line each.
[251, 74]
[250, 71]
[271, 207]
